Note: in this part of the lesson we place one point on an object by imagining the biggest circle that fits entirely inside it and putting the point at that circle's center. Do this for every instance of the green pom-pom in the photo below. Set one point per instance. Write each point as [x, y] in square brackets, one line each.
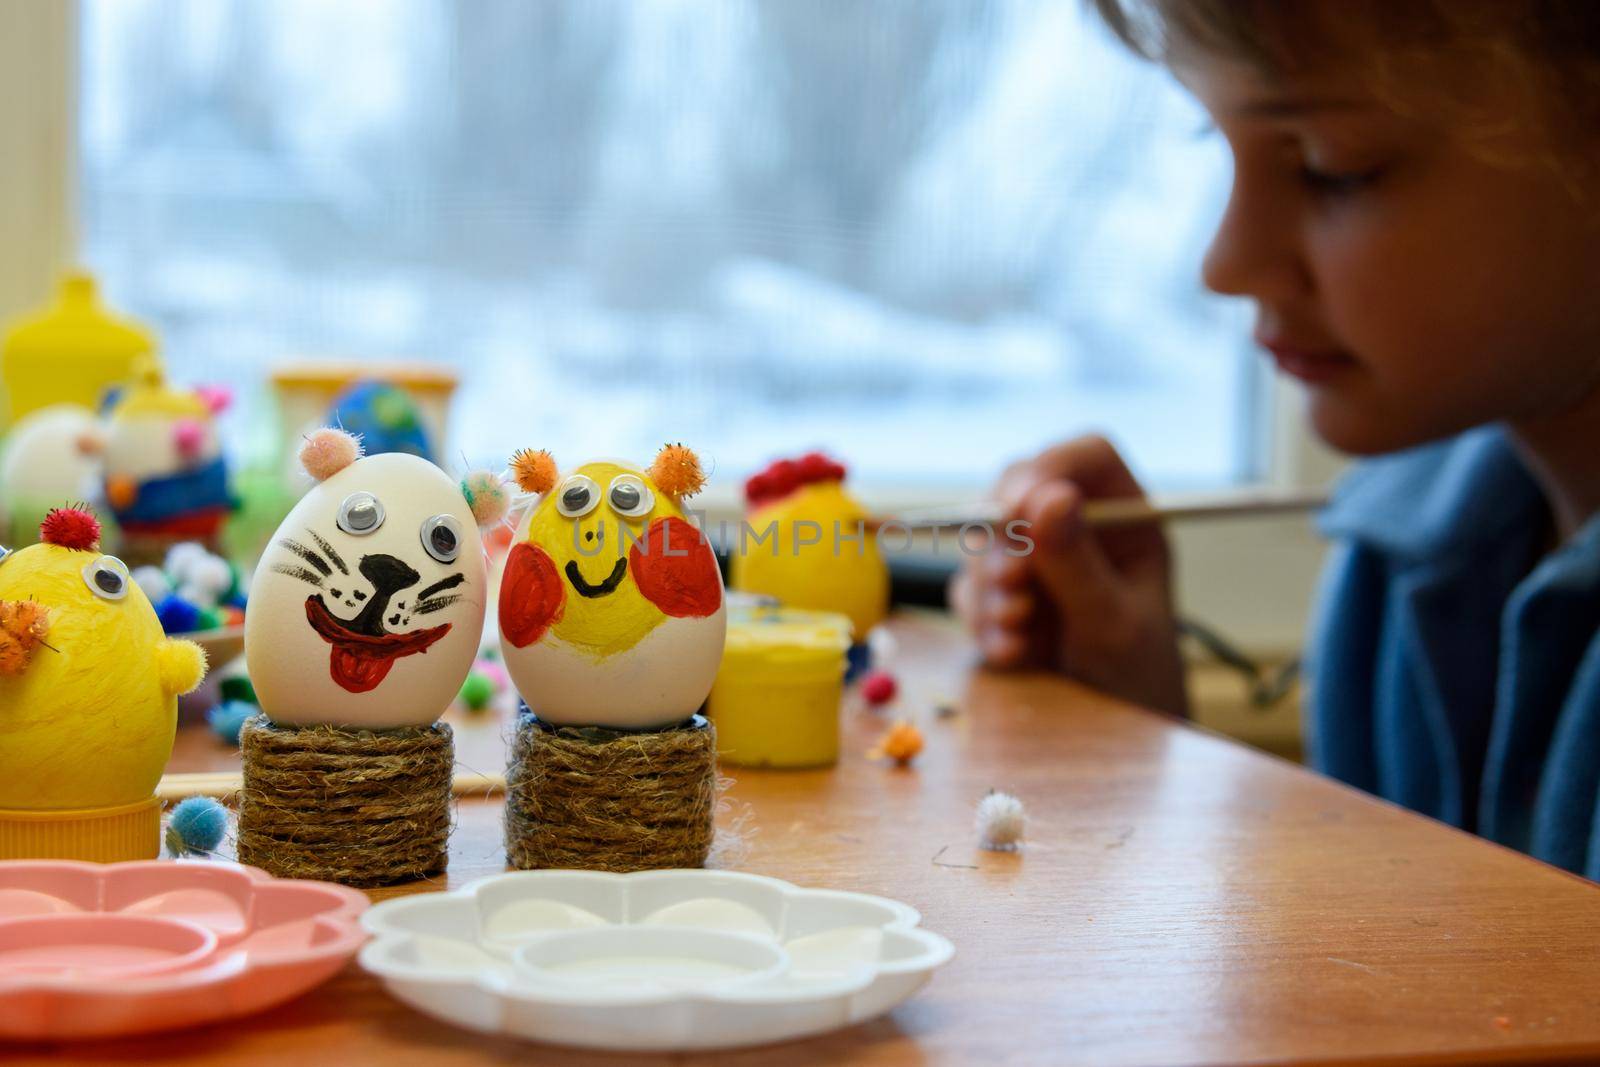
[476, 692]
[238, 687]
[207, 619]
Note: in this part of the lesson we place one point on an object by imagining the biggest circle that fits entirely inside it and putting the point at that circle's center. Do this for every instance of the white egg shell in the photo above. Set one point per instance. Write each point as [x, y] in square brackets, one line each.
[371, 660]
[660, 681]
[144, 445]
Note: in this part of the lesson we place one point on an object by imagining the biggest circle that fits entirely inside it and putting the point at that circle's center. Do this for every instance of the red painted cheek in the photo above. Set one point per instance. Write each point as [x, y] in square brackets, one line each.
[675, 569]
[531, 598]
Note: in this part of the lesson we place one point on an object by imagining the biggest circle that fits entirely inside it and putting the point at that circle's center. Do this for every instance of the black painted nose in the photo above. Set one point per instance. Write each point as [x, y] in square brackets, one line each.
[388, 576]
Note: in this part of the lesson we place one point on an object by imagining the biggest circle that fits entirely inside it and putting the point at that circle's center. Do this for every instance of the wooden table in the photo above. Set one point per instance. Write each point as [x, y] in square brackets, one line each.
[1181, 900]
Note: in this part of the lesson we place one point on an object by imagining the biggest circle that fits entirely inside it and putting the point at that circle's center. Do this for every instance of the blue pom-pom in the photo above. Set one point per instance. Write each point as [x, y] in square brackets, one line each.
[177, 615]
[227, 719]
[199, 825]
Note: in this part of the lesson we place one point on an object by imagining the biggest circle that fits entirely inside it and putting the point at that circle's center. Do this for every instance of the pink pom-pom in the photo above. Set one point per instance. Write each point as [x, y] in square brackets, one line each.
[486, 495]
[328, 451]
[188, 435]
[216, 398]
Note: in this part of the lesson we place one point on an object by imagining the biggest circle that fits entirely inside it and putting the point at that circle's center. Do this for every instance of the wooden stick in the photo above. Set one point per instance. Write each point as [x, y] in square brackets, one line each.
[1127, 511]
[224, 784]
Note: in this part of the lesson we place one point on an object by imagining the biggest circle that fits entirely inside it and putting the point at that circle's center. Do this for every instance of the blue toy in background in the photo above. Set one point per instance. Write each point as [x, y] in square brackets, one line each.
[385, 417]
[227, 719]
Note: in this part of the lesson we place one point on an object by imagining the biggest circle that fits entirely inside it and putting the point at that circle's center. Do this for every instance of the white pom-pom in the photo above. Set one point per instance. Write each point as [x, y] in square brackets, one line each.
[181, 557]
[153, 582]
[211, 574]
[1000, 822]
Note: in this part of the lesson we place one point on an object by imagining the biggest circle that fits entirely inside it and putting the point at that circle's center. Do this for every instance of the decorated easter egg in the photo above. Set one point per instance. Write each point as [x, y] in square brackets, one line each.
[611, 607]
[89, 684]
[368, 604]
[165, 475]
[807, 545]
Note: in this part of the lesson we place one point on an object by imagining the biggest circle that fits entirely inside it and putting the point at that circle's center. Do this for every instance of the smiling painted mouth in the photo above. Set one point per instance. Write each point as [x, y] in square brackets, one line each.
[359, 662]
[613, 579]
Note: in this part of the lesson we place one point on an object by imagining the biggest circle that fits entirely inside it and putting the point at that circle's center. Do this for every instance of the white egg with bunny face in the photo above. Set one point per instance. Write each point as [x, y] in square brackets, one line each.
[367, 607]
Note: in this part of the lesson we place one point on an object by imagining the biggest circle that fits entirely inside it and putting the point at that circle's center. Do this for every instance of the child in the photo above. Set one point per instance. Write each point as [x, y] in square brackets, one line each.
[1415, 213]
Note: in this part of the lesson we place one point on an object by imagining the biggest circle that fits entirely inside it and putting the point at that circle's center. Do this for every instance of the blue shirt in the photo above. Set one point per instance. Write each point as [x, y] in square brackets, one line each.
[1454, 664]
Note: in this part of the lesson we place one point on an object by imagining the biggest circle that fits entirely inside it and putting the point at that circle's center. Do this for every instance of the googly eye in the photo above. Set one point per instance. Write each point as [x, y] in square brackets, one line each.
[577, 496]
[107, 578]
[5, 553]
[360, 514]
[441, 537]
[630, 496]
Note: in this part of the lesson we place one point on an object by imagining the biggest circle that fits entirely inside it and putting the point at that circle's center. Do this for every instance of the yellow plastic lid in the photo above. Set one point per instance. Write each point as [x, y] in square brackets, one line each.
[98, 835]
[71, 352]
[779, 637]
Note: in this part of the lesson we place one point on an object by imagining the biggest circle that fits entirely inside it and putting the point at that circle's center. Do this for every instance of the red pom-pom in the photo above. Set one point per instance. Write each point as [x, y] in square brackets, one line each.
[71, 528]
[814, 466]
[784, 476]
[757, 488]
[878, 687]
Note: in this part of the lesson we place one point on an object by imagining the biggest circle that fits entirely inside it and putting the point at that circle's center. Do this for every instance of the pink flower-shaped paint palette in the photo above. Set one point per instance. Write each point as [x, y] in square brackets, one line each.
[95, 950]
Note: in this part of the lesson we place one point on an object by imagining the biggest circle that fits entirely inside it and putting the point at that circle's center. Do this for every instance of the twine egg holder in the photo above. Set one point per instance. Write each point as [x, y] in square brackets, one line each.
[360, 807]
[601, 799]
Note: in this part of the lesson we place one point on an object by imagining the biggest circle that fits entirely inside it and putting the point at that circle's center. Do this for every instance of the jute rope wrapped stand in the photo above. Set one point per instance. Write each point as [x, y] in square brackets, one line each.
[361, 807]
[610, 800]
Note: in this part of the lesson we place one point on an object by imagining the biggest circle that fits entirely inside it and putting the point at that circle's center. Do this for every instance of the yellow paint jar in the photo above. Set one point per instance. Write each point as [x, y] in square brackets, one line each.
[776, 699]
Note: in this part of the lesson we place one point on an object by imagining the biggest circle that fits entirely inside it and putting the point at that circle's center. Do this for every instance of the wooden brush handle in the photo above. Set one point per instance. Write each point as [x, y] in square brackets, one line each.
[1129, 511]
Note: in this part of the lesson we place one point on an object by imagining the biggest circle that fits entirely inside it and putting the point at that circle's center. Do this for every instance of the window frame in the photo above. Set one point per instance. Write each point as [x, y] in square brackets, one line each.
[1251, 578]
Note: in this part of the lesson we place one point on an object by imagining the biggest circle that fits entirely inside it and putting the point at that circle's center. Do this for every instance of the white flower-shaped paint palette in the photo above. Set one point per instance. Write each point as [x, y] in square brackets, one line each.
[657, 961]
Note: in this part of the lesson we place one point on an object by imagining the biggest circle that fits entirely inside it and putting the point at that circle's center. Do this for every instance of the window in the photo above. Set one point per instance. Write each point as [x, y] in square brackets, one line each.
[929, 235]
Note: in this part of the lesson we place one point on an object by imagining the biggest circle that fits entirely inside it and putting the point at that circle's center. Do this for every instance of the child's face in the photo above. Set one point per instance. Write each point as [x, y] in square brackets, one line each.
[1416, 288]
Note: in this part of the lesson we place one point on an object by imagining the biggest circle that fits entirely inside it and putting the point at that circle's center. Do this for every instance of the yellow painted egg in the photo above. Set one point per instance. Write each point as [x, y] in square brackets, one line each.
[611, 605]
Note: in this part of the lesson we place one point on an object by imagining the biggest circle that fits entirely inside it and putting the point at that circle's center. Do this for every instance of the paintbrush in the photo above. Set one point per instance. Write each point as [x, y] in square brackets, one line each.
[1124, 511]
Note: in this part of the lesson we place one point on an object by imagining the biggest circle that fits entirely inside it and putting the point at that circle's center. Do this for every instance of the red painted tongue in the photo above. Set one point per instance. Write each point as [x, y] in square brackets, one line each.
[357, 670]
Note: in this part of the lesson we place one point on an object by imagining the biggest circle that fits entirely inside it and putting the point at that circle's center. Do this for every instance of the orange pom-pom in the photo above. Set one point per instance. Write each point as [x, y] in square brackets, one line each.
[75, 528]
[534, 470]
[23, 624]
[327, 451]
[901, 743]
[676, 471]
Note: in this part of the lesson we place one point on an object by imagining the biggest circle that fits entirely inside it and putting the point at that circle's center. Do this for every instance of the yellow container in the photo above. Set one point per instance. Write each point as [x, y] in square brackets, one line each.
[776, 699]
[70, 353]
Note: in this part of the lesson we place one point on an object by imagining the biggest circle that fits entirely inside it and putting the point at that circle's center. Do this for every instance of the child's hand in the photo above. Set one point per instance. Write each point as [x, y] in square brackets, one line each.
[1092, 604]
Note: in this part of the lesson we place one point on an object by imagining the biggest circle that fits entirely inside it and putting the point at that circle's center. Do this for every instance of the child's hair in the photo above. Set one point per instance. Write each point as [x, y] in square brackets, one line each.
[1542, 57]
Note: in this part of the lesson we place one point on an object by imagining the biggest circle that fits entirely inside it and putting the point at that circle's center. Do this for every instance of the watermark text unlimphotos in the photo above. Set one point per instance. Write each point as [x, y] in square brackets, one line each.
[890, 537]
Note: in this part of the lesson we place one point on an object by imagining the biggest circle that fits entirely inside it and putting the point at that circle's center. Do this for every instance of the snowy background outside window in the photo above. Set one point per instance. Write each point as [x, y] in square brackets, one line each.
[929, 235]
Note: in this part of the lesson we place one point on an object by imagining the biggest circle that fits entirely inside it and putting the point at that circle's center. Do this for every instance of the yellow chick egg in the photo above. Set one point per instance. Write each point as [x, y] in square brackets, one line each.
[806, 544]
[611, 607]
[88, 682]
